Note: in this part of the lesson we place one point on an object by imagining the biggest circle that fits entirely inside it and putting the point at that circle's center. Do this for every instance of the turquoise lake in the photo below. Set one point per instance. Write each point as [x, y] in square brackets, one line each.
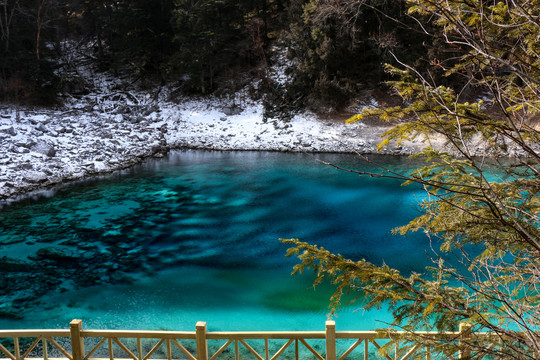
[194, 237]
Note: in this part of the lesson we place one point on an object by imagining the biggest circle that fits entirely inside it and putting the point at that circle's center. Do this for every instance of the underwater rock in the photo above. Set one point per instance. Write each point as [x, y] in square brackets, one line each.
[55, 254]
[9, 315]
[13, 265]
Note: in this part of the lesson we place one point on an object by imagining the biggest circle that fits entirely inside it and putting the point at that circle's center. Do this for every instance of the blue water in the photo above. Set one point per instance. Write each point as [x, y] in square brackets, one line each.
[194, 237]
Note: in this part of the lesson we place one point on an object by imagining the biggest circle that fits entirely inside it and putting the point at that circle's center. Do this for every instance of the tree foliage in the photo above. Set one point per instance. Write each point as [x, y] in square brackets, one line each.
[339, 46]
[209, 42]
[207, 45]
[482, 193]
[208, 33]
[335, 47]
[26, 70]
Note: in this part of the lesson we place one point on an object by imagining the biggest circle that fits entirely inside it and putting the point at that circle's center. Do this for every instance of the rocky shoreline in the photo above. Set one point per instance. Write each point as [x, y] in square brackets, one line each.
[98, 135]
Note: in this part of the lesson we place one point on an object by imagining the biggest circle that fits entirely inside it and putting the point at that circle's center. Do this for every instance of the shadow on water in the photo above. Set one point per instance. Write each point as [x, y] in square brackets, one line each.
[197, 232]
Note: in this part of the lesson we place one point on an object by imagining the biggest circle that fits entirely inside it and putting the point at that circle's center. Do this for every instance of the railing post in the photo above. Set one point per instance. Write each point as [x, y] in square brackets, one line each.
[202, 345]
[77, 341]
[330, 340]
[465, 330]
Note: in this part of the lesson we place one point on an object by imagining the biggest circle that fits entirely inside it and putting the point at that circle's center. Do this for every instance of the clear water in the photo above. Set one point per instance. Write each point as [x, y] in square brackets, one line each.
[194, 237]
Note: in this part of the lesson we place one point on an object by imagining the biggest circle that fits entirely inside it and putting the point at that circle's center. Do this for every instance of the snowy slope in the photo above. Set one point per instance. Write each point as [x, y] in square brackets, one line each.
[113, 128]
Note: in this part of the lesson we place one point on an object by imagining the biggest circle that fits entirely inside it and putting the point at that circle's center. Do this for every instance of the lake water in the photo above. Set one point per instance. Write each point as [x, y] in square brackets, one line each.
[194, 237]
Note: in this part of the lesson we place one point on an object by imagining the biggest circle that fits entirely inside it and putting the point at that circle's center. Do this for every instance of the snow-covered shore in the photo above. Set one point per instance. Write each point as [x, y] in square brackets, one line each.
[99, 134]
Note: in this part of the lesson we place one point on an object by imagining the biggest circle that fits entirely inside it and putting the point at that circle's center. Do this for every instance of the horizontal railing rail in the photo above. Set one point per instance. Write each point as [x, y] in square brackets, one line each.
[79, 344]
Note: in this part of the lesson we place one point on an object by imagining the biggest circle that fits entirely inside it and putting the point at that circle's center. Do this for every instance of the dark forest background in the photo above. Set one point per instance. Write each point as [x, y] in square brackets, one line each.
[335, 48]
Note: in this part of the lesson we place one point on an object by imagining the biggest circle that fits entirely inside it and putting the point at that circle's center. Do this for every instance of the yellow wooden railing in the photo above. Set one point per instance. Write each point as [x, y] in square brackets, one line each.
[79, 344]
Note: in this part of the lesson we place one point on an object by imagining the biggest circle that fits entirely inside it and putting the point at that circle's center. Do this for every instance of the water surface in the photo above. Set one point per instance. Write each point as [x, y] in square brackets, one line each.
[194, 237]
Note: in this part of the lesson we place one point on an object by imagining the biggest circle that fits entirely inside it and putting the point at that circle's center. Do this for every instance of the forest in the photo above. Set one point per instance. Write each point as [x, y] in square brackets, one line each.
[335, 49]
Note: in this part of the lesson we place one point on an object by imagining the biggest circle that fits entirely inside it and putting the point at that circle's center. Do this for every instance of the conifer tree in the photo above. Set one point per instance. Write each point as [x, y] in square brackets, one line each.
[135, 34]
[338, 46]
[483, 188]
[26, 72]
[208, 37]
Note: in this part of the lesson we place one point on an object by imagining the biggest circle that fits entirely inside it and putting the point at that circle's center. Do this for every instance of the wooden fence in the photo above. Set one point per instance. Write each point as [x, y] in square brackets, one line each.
[79, 344]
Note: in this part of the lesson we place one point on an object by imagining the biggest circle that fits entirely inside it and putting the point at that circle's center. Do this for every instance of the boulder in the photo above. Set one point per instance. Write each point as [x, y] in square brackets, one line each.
[44, 149]
[8, 130]
[27, 143]
[150, 109]
[34, 177]
[19, 150]
[41, 128]
[232, 110]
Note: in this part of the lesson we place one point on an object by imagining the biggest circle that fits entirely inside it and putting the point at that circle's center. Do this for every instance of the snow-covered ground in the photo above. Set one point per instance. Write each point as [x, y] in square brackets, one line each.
[102, 133]
[116, 126]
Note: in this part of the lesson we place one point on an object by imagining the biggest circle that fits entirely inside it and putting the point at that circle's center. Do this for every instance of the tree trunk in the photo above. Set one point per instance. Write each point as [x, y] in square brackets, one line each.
[39, 25]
